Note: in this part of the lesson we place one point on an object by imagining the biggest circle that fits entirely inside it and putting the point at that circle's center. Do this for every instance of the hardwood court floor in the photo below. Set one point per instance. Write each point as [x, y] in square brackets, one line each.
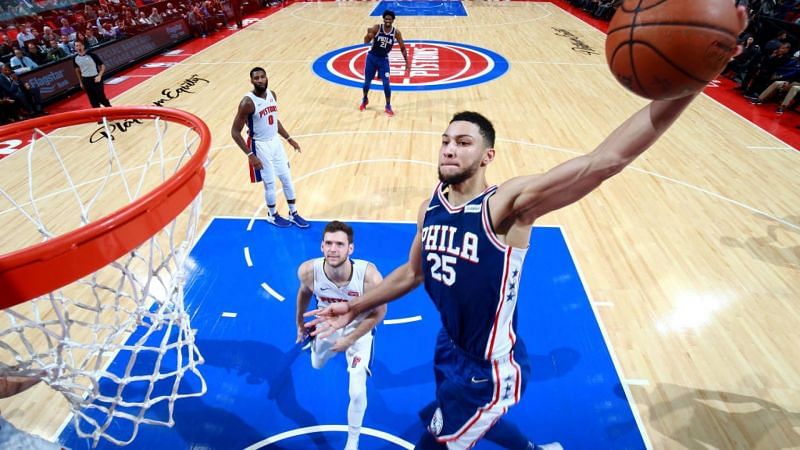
[691, 255]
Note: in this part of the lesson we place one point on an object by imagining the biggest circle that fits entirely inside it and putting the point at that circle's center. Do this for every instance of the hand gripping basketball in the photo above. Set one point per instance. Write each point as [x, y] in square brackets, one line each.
[666, 49]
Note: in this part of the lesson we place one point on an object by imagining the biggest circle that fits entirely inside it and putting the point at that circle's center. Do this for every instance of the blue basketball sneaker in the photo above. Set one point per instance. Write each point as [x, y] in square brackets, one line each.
[297, 220]
[277, 220]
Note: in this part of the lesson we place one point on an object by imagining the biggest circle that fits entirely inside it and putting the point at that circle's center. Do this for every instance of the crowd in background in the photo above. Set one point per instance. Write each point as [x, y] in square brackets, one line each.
[768, 69]
[769, 66]
[47, 33]
[40, 32]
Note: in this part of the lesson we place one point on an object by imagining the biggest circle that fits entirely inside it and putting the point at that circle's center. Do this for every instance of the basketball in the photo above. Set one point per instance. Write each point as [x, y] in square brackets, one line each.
[663, 49]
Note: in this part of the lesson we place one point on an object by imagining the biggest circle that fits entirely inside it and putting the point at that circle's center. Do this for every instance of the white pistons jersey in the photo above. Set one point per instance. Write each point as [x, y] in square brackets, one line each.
[327, 292]
[262, 125]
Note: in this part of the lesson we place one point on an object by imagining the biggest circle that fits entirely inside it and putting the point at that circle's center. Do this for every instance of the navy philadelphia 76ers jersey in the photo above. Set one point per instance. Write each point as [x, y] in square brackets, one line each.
[382, 42]
[471, 276]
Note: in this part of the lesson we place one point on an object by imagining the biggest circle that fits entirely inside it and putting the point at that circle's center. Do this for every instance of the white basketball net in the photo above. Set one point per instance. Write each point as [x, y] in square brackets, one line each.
[118, 343]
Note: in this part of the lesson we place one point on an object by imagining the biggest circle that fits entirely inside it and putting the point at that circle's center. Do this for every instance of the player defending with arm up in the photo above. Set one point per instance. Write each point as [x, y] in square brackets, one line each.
[336, 278]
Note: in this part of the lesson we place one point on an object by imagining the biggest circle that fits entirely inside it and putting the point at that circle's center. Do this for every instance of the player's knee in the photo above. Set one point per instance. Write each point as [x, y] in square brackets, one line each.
[317, 362]
[358, 386]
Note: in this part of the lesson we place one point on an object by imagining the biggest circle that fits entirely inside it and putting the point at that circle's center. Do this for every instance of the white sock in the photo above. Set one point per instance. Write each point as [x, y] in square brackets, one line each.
[357, 407]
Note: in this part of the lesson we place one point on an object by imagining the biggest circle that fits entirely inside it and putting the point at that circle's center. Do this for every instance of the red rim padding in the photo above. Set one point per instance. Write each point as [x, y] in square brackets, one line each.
[41, 268]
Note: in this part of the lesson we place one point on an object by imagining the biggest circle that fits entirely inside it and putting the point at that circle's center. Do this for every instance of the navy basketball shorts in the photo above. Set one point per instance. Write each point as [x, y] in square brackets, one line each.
[473, 393]
[376, 64]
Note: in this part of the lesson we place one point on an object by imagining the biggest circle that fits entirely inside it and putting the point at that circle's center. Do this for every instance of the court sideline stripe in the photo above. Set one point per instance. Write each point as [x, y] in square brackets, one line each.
[629, 396]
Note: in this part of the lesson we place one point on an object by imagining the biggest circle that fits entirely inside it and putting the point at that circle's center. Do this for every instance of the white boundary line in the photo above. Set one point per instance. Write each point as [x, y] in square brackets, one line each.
[247, 257]
[402, 321]
[607, 341]
[400, 442]
[272, 292]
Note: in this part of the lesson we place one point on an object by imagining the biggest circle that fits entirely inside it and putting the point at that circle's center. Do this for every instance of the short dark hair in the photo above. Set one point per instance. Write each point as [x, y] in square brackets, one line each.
[389, 13]
[484, 125]
[334, 226]
[257, 69]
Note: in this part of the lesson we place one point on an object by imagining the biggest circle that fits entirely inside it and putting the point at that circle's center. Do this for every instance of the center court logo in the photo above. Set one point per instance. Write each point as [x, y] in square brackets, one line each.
[433, 65]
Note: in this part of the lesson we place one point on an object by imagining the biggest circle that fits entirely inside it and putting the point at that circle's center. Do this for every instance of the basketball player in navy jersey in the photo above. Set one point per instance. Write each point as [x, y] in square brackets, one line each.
[382, 37]
[265, 153]
[337, 278]
[469, 248]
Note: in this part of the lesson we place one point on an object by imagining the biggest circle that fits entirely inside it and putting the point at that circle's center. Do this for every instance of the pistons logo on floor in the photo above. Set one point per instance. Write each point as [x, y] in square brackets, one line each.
[433, 65]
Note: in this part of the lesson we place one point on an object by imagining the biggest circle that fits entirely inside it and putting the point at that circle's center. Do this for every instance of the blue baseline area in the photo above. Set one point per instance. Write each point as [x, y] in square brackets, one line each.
[421, 8]
[261, 385]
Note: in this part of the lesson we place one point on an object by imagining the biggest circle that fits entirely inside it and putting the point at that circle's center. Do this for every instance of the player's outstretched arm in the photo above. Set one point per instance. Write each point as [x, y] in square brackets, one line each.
[522, 200]
[400, 282]
[527, 198]
[305, 273]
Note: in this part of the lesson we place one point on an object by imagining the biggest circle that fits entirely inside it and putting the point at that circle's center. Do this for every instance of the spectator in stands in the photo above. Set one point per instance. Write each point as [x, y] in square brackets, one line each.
[768, 7]
[9, 110]
[37, 23]
[6, 47]
[773, 44]
[20, 63]
[25, 36]
[121, 29]
[129, 20]
[80, 24]
[783, 79]
[89, 13]
[25, 95]
[606, 8]
[54, 51]
[66, 28]
[48, 35]
[107, 32]
[36, 53]
[196, 22]
[739, 66]
[67, 45]
[156, 18]
[143, 21]
[170, 12]
[790, 89]
[90, 39]
[761, 77]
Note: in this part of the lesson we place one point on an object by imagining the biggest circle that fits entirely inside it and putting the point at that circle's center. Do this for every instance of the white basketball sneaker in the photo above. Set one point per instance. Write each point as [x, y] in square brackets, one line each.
[550, 446]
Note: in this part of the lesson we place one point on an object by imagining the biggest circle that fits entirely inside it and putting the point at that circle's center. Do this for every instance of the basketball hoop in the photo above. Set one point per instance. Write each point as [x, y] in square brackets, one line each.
[99, 255]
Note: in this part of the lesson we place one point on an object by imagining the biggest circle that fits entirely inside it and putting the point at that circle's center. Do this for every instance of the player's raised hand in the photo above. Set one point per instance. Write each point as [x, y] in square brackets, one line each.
[329, 319]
